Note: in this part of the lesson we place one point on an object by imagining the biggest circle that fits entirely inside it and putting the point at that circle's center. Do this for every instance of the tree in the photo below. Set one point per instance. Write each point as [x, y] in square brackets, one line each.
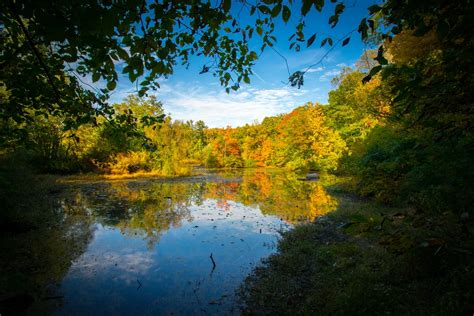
[48, 46]
[355, 108]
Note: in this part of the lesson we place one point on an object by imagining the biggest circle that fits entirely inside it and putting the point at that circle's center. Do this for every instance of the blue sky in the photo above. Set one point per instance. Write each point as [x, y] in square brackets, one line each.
[187, 95]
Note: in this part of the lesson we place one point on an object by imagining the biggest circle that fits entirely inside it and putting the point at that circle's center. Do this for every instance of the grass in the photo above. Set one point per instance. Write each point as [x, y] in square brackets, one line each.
[97, 177]
[367, 259]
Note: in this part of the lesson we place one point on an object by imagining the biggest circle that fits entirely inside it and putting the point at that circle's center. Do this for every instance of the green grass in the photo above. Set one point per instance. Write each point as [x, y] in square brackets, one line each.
[350, 263]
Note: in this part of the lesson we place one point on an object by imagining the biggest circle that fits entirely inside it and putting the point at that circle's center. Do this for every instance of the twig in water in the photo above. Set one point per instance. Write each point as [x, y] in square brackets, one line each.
[213, 263]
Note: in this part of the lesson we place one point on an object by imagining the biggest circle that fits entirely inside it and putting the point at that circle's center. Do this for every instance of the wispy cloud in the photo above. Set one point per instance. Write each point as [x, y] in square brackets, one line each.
[219, 109]
[131, 264]
[318, 69]
[328, 75]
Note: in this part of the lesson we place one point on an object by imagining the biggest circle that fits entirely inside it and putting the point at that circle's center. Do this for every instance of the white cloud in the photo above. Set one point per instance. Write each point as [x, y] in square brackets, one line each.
[219, 109]
[328, 75]
[315, 69]
[129, 264]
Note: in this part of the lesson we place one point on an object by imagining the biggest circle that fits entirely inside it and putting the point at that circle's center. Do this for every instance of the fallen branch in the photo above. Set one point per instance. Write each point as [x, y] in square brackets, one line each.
[213, 262]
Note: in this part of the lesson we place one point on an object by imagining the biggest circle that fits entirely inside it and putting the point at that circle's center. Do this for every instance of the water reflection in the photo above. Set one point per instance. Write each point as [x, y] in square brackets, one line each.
[275, 193]
[152, 240]
[34, 261]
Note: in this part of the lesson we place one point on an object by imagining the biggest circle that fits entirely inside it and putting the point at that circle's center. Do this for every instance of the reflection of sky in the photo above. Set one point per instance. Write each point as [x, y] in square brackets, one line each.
[175, 274]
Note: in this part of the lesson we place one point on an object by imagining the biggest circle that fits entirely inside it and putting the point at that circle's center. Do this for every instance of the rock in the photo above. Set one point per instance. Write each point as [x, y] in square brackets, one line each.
[345, 225]
[312, 176]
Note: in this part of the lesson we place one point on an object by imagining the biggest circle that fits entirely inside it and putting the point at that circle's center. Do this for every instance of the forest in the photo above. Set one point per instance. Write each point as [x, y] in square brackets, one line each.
[391, 155]
[397, 130]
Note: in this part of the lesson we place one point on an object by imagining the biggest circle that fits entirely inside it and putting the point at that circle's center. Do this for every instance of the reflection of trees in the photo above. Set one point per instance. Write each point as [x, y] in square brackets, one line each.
[276, 194]
[34, 261]
[147, 209]
[138, 208]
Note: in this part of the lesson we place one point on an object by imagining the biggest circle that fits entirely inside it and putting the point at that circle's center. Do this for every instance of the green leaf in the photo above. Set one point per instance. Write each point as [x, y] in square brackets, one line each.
[311, 40]
[366, 79]
[319, 4]
[226, 5]
[333, 20]
[264, 9]
[286, 13]
[380, 58]
[371, 24]
[122, 53]
[306, 6]
[246, 79]
[95, 77]
[346, 41]
[396, 30]
[70, 59]
[111, 85]
[363, 29]
[374, 9]
[339, 8]
[375, 70]
[296, 79]
[276, 10]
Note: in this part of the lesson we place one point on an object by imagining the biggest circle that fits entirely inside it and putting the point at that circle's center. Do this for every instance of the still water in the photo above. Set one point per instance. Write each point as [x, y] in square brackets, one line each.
[149, 241]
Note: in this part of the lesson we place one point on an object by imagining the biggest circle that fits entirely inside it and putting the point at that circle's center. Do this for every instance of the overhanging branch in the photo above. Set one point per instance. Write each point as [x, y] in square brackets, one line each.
[35, 51]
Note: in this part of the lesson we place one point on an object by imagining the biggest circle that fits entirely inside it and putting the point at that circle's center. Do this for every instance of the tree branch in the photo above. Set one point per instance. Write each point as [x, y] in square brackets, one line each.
[35, 51]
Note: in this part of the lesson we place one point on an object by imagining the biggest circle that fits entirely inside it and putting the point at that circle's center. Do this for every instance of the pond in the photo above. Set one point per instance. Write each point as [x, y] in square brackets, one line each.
[150, 241]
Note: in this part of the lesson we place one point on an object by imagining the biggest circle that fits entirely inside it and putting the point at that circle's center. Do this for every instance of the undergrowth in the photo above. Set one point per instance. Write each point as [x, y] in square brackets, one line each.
[367, 259]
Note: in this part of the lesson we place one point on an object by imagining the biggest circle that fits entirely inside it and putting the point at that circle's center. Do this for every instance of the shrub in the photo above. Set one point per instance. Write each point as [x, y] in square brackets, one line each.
[395, 166]
[131, 162]
[297, 164]
[232, 161]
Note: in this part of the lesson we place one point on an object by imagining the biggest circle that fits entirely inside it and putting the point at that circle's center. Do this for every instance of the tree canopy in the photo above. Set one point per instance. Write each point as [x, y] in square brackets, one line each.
[49, 47]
